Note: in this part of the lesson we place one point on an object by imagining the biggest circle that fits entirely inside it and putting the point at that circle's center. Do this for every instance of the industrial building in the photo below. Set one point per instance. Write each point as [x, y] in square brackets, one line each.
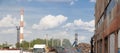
[106, 38]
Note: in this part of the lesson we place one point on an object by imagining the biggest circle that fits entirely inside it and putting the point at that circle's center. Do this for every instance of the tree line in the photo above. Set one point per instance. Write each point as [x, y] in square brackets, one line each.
[26, 45]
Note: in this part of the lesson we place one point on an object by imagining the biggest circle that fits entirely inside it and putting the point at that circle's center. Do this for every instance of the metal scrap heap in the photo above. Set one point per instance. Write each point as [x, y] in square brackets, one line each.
[84, 47]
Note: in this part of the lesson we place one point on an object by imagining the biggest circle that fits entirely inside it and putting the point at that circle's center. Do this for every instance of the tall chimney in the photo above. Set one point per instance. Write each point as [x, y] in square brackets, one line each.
[21, 25]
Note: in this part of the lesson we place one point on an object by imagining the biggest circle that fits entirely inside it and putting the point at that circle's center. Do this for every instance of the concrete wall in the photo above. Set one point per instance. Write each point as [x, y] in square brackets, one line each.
[9, 51]
[13, 51]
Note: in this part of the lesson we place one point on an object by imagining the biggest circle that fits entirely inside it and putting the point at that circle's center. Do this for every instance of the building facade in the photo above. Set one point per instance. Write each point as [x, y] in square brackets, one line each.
[107, 27]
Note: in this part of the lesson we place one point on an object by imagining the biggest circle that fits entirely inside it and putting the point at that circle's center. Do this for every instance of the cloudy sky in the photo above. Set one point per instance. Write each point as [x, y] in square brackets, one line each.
[57, 18]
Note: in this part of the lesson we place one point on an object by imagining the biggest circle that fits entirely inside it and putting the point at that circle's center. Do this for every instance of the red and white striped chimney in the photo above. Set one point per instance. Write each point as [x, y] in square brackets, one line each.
[21, 25]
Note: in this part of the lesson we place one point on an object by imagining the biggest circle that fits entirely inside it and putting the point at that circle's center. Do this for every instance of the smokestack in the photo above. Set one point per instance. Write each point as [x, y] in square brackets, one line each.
[21, 25]
[76, 37]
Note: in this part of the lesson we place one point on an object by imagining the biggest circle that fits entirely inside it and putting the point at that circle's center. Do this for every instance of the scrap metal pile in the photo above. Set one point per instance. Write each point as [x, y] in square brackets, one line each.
[84, 47]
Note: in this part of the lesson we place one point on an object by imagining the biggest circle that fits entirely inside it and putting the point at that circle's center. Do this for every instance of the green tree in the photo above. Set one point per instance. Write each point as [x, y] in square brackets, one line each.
[50, 42]
[4, 45]
[0, 46]
[17, 45]
[25, 45]
[54, 42]
[66, 43]
[37, 41]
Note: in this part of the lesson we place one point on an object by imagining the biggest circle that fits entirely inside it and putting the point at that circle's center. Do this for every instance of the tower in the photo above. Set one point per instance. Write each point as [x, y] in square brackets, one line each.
[18, 35]
[76, 37]
[76, 40]
[21, 25]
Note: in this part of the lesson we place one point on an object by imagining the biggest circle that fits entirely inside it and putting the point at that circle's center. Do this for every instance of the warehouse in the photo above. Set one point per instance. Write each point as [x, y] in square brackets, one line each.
[106, 38]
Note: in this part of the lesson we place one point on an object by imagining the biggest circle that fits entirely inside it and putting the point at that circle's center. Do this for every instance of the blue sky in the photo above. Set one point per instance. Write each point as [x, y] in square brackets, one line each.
[57, 18]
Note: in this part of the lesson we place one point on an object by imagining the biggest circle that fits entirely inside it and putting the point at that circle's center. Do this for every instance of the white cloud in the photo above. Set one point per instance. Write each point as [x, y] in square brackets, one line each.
[81, 38]
[13, 31]
[79, 24]
[27, 31]
[92, 0]
[85, 25]
[68, 35]
[53, 0]
[68, 25]
[8, 31]
[71, 3]
[49, 22]
[7, 21]
[61, 35]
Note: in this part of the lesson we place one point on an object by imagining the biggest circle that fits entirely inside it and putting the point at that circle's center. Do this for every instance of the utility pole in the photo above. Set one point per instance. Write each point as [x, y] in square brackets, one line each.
[52, 42]
[29, 45]
[18, 36]
[61, 42]
[47, 39]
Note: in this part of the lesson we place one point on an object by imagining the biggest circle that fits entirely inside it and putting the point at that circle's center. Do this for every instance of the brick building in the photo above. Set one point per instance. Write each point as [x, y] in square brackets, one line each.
[107, 27]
